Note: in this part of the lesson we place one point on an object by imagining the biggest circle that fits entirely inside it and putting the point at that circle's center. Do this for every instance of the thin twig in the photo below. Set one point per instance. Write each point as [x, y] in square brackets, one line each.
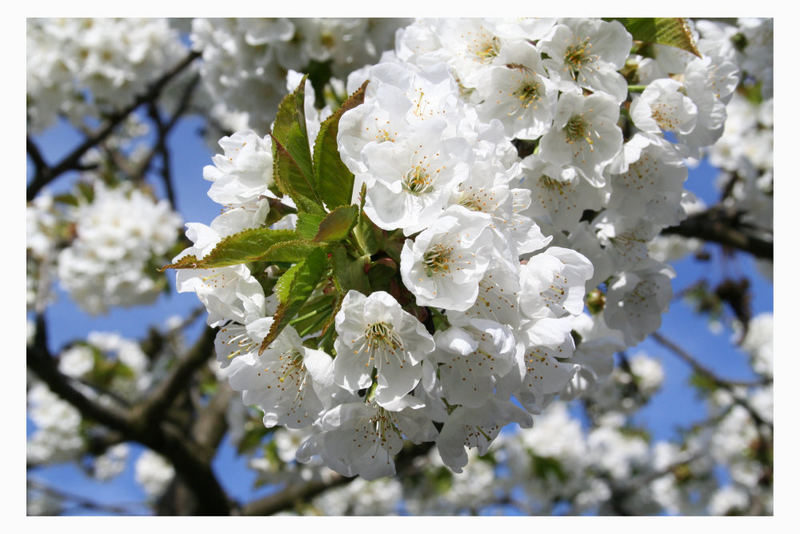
[71, 161]
[181, 373]
[163, 129]
[83, 502]
[699, 368]
[728, 385]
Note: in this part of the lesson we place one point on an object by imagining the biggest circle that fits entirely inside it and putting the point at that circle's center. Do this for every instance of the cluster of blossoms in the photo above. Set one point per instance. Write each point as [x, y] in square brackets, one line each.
[105, 362]
[120, 235]
[83, 68]
[246, 60]
[558, 466]
[488, 257]
[744, 152]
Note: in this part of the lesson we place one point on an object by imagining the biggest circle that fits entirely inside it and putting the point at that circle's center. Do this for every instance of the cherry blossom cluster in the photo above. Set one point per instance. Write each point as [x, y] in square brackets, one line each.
[106, 359]
[246, 60]
[491, 155]
[104, 362]
[86, 67]
[118, 237]
[612, 468]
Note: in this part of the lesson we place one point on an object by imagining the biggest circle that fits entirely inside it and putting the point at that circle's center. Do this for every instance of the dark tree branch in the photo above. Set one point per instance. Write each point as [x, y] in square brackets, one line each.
[169, 388]
[71, 161]
[702, 369]
[211, 425]
[726, 384]
[39, 164]
[41, 362]
[304, 492]
[190, 459]
[78, 500]
[163, 129]
[297, 493]
[724, 226]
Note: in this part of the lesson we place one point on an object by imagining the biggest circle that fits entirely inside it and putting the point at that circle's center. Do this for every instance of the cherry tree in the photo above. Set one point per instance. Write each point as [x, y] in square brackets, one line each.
[439, 243]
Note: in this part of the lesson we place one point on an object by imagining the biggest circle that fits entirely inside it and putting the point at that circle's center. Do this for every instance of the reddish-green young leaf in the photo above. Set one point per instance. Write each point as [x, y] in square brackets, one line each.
[333, 179]
[242, 247]
[290, 129]
[337, 224]
[308, 224]
[308, 274]
[292, 251]
[291, 180]
[666, 31]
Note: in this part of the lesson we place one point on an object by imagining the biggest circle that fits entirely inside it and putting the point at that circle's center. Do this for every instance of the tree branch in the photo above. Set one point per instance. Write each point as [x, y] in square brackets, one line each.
[164, 130]
[83, 502]
[304, 492]
[724, 226]
[42, 363]
[190, 459]
[287, 498]
[47, 174]
[39, 164]
[702, 369]
[157, 402]
[211, 425]
[726, 384]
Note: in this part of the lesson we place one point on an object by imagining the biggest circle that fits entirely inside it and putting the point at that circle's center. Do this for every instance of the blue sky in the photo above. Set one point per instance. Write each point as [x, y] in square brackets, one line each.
[676, 404]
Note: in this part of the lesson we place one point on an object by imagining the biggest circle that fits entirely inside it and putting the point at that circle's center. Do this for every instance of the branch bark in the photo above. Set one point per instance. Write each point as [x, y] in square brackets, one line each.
[157, 403]
[304, 492]
[724, 226]
[726, 384]
[46, 174]
[190, 459]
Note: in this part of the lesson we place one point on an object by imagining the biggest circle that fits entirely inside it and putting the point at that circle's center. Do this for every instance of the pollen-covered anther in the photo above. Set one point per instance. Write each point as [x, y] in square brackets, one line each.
[437, 259]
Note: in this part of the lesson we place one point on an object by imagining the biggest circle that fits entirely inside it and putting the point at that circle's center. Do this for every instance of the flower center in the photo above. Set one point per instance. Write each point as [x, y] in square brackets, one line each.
[291, 362]
[529, 93]
[577, 128]
[487, 50]
[418, 181]
[577, 56]
[382, 336]
[437, 259]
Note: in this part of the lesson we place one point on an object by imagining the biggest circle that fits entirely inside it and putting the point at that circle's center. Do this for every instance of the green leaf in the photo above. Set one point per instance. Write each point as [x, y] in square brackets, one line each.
[308, 224]
[666, 31]
[368, 236]
[254, 433]
[334, 180]
[308, 274]
[242, 247]
[86, 191]
[292, 251]
[545, 466]
[314, 314]
[284, 284]
[67, 198]
[337, 224]
[277, 211]
[292, 181]
[290, 129]
[705, 384]
[349, 272]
